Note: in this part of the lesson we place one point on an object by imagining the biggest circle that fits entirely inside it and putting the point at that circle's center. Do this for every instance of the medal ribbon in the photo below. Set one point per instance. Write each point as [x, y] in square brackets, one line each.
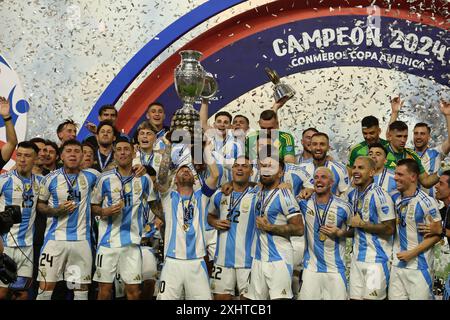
[123, 181]
[187, 211]
[142, 156]
[234, 203]
[402, 202]
[322, 219]
[383, 176]
[261, 205]
[70, 182]
[100, 162]
[24, 192]
[358, 196]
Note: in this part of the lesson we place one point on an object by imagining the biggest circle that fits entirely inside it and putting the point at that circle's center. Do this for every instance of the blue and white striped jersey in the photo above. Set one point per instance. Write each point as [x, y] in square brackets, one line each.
[184, 223]
[226, 151]
[386, 180]
[340, 173]
[153, 160]
[56, 188]
[278, 205]
[234, 246]
[23, 192]
[411, 211]
[327, 255]
[431, 160]
[125, 228]
[374, 205]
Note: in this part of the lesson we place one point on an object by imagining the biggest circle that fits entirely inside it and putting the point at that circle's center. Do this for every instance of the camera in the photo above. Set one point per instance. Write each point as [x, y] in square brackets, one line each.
[10, 216]
[8, 269]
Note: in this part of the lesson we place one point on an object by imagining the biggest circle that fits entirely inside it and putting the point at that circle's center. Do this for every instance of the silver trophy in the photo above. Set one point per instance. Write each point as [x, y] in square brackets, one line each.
[191, 82]
[281, 90]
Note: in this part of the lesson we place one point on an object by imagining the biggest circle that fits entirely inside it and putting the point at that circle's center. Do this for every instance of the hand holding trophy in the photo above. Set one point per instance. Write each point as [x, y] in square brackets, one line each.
[282, 91]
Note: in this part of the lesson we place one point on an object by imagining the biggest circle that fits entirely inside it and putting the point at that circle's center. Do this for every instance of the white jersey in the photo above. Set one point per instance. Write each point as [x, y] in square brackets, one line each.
[126, 227]
[184, 223]
[431, 161]
[226, 151]
[411, 211]
[340, 174]
[153, 159]
[328, 255]
[233, 249]
[278, 205]
[386, 180]
[58, 187]
[23, 192]
[374, 205]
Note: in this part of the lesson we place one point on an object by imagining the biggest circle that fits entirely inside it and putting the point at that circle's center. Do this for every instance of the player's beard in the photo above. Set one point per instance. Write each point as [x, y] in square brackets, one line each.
[315, 157]
[105, 144]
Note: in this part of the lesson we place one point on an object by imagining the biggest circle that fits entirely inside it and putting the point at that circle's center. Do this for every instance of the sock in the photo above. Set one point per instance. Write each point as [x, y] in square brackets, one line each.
[44, 295]
[295, 285]
[80, 295]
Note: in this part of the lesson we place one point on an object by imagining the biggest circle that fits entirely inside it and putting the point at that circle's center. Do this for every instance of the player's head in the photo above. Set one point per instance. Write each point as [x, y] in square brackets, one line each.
[222, 121]
[363, 171]
[370, 129]
[271, 170]
[146, 135]
[422, 135]
[306, 138]
[107, 112]
[268, 120]
[71, 154]
[66, 130]
[26, 155]
[106, 133]
[398, 135]
[241, 122]
[88, 155]
[242, 170]
[156, 114]
[52, 154]
[123, 152]
[184, 177]
[40, 143]
[443, 188]
[323, 181]
[406, 174]
[320, 144]
[378, 153]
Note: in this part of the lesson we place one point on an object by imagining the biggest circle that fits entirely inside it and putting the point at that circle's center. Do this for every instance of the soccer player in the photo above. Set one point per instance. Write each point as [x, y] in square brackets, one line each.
[320, 144]
[8, 148]
[185, 210]
[234, 217]
[413, 255]
[104, 159]
[327, 218]
[120, 199]
[278, 219]
[383, 177]
[371, 132]
[430, 157]
[64, 197]
[21, 187]
[306, 154]
[51, 157]
[374, 223]
[39, 163]
[88, 156]
[156, 115]
[146, 156]
[268, 122]
[66, 131]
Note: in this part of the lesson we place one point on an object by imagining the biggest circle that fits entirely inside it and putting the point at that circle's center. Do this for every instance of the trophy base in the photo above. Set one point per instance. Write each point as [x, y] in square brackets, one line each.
[186, 124]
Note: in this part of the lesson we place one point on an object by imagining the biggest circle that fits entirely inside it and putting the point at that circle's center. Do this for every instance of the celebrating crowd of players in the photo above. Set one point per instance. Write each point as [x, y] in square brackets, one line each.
[237, 214]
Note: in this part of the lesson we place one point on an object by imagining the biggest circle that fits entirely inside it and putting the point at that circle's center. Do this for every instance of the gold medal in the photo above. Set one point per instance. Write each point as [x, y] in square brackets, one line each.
[185, 227]
[322, 236]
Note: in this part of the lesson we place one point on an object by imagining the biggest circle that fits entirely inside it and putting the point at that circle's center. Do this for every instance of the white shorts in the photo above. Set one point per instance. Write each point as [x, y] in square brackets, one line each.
[126, 261]
[66, 260]
[211, 240]
[24, 267]
[298, 245]
[270, 280]
[149, 264]
[323, 286]
[224, 280]
[368, 281]
[410, 284]
[188, 278]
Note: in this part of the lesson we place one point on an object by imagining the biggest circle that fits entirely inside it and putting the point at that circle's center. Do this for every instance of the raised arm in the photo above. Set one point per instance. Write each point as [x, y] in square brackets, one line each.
[396, 105]
[11, 137]
[213, 178]
[164, 168]
[445, 110]
[204, 109]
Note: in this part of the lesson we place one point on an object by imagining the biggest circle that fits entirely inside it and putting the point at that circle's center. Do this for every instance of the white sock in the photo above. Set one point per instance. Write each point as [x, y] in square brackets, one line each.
[44, 295]
[80, 295]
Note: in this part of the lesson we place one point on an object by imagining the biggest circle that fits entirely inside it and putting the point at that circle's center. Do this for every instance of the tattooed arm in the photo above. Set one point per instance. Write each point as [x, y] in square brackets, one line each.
[164, 169]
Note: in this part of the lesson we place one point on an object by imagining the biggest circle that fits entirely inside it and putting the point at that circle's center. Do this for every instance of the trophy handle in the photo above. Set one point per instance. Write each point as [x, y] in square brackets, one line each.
[210, 87]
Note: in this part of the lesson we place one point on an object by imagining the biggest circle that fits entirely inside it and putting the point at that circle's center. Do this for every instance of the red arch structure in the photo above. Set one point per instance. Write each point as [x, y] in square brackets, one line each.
[256, 20]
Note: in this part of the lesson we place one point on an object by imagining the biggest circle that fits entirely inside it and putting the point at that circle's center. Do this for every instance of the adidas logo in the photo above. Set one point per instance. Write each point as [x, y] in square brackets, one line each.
[283, 292]
[373, 294]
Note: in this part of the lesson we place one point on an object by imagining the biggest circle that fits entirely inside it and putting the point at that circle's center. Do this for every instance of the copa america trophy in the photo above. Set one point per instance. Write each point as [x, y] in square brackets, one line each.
[281, 90]
[191, 82]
